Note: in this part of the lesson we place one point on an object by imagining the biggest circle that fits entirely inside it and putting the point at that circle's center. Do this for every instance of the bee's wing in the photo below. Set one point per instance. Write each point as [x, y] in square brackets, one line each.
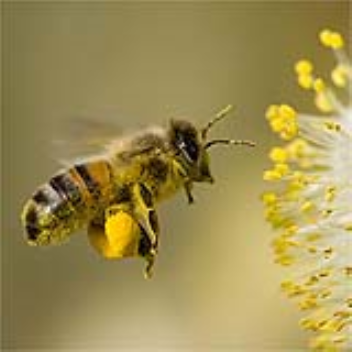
[82, 137]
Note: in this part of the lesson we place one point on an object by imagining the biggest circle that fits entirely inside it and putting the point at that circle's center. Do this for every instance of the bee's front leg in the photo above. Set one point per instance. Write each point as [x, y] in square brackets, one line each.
[180, 171]
[188, 188]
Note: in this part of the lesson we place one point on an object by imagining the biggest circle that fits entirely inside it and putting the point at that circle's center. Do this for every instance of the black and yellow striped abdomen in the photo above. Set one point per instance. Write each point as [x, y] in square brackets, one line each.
[67, 202]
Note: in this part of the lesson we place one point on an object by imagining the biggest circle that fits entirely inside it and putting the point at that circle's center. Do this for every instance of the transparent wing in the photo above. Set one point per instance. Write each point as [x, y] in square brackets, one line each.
[83, 137]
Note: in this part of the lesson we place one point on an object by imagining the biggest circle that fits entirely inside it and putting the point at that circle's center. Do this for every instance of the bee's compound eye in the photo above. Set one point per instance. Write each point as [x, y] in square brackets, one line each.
[189, 148]
[185, 139]
[192, 149]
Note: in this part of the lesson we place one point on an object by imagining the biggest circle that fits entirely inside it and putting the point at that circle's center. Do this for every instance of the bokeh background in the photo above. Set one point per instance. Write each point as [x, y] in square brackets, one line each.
[135, 64]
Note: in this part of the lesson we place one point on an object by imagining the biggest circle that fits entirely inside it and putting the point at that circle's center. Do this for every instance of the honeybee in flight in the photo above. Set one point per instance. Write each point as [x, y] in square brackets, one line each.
[114, 195]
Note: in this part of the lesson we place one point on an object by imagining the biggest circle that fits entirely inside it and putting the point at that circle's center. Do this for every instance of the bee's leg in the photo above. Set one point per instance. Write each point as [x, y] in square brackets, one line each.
[142, 210]
[179, 169]
[148, 220]
[145, 251]
[188, 188]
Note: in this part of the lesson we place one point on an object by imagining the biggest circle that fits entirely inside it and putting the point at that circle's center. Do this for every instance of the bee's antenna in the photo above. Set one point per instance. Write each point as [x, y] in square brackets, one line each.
[229, 142]
[219, 116]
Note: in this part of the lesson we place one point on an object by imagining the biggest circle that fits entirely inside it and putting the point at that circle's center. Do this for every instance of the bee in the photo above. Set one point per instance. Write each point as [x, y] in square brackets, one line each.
[114, 195]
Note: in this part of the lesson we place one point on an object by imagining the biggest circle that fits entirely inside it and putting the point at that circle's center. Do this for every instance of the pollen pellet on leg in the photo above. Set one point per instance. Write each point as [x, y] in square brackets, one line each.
[122, 236]
[117, 238]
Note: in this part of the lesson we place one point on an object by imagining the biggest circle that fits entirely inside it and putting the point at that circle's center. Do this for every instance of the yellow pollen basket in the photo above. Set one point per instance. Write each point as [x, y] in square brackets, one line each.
[122, 234]
[120, 237]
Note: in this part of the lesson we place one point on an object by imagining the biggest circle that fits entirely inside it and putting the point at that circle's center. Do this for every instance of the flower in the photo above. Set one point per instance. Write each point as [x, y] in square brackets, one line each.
[310, 206]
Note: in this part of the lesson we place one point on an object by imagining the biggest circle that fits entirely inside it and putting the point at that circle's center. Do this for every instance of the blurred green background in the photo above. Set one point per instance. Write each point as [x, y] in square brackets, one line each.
[215, 285]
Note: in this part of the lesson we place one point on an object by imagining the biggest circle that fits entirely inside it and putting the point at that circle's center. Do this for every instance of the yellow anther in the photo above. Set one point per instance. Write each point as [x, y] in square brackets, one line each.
[307, 206]
[287, 285]
[323, 103]
[304, 67]
[295, 185]
[274, 217]
[277, 125]
[309, 324]
[297, 148]
[319, 85]
[331, 39]
[337, 41]
[308, 303]
[278, 155]
[324, 36]
[287, 112]
[282, 244]
[279, 170]
[269, 198]
[290, 131]
[271, 175]
[333, 325]
[285, 260]
[300, 177]
[305, 81]
[282, 168]
[283, 120]
[292, 289]
[339, 75]
[291, 230]
[328, 342]
[272, 112]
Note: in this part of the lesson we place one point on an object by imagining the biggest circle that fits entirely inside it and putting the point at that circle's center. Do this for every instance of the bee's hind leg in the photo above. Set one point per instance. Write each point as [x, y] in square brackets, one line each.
[115, 234]
[146, 251]
[119, 233]
[148, 220]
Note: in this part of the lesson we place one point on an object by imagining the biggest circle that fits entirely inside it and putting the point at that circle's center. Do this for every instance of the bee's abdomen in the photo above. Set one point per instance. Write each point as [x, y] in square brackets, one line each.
[64, 204]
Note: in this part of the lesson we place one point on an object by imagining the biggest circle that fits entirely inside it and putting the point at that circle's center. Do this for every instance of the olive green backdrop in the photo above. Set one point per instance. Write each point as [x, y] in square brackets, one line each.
[136, 64]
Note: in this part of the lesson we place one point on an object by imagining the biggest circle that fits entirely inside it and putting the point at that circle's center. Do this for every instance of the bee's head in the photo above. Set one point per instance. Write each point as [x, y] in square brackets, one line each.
[191, 146]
